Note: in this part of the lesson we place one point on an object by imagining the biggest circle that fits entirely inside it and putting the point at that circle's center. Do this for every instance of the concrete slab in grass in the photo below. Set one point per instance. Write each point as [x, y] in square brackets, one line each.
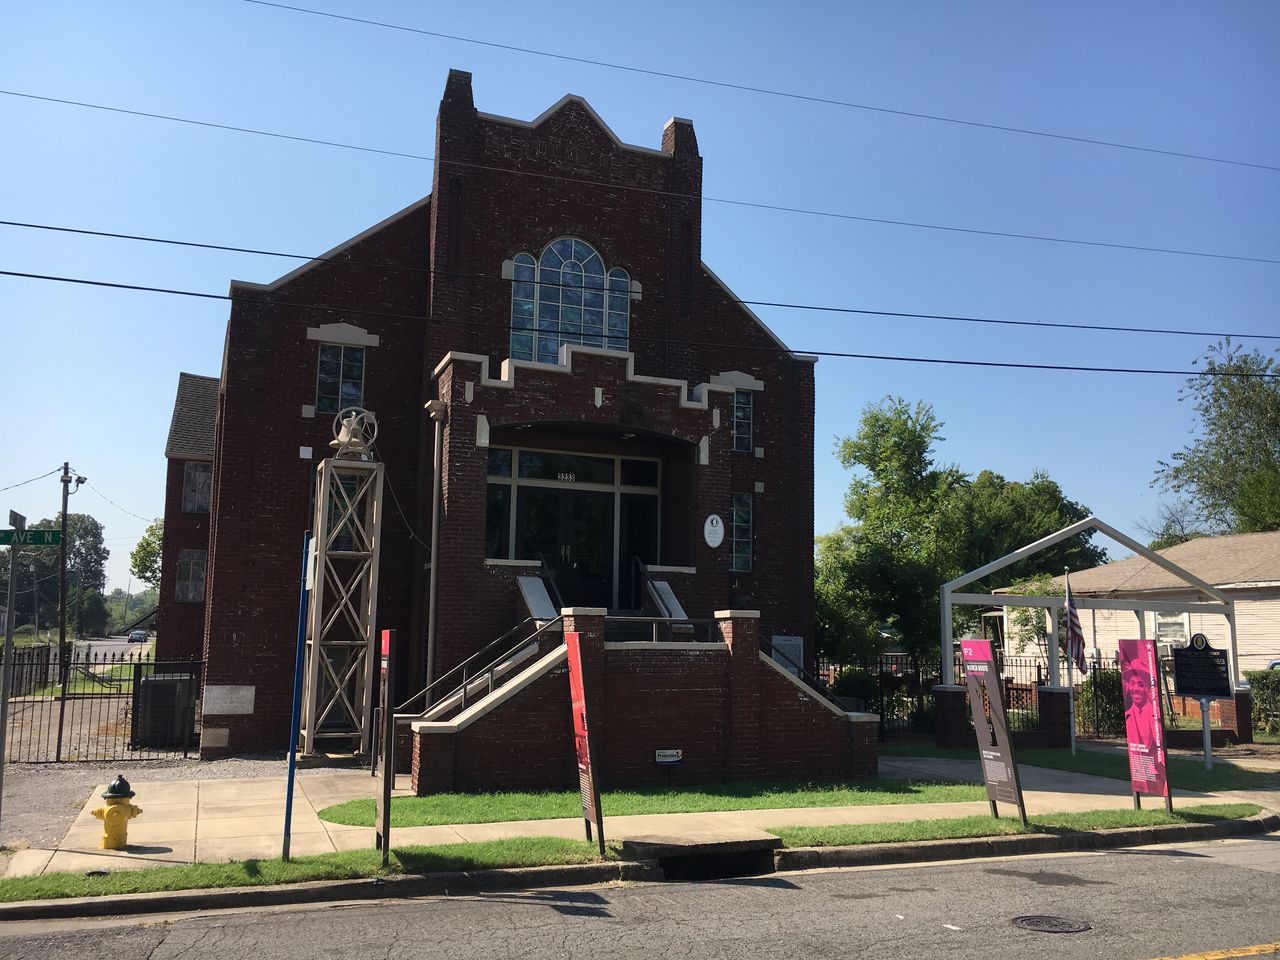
[416, 836]
[221, 850]
[134, 858]
[29, 863]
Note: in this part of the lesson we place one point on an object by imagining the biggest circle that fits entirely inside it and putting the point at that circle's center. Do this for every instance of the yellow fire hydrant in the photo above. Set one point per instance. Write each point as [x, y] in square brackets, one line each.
[116, 814]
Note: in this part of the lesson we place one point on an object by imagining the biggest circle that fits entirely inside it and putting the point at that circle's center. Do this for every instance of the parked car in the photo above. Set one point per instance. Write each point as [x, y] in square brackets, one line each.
[137, 636]
[1274, 665]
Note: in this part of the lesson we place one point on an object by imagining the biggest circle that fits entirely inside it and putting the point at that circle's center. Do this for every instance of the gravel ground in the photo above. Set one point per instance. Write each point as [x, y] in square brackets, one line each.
[42, 799]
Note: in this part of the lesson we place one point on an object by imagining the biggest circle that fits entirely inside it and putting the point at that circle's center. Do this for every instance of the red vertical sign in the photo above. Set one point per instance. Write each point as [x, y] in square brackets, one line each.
[1143, 718]
[582, 739]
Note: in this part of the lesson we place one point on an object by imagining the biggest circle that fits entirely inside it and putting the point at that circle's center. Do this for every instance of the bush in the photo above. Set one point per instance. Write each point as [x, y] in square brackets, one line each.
[858, 683]
[1110, 691]
[1265, 685]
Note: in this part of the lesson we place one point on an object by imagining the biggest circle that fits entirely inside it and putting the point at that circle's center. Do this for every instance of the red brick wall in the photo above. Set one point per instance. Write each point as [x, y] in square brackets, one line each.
[179, 626]
[263, 488]
[651, 699]
[434, 273]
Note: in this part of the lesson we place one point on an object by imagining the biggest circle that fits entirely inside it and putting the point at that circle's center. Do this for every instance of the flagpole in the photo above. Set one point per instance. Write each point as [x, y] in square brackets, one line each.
[1071, 685]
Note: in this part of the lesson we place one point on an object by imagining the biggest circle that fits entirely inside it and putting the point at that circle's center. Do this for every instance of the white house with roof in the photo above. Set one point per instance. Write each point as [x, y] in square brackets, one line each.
[1244, 566]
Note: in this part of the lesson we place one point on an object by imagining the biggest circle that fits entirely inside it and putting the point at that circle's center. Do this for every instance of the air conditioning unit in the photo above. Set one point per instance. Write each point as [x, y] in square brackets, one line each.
[164, 711]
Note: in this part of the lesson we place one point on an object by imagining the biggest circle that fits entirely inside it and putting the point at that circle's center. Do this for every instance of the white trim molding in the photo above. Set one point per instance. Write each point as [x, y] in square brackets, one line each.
[343, 333]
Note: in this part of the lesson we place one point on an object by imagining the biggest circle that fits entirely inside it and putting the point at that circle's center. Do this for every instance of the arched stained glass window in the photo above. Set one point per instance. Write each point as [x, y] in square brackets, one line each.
[567, 297]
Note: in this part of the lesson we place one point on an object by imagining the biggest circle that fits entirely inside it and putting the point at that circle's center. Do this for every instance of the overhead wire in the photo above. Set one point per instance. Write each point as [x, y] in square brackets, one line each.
[23, 483]
[766, 91]
[653, 191]
[819, 308]
[947, 361]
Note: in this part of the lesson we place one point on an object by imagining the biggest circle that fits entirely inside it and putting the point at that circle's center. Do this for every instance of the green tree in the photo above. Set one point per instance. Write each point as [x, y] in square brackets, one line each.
[1231, 470]
[918, 523]
[144, 561]
[86, 568]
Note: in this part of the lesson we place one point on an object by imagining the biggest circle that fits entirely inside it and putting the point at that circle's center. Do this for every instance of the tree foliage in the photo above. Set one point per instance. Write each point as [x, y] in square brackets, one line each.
[917, 523]
[1230, 472]
[86, 575]
[144, 561]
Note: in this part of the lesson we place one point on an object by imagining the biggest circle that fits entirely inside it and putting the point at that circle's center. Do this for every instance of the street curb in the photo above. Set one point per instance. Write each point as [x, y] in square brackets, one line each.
[523, 878]
[807, 858]
[323, 891]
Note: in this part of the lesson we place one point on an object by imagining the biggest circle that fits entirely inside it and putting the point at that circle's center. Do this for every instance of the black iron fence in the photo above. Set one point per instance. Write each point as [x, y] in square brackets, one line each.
[899, 687]
[101, 706]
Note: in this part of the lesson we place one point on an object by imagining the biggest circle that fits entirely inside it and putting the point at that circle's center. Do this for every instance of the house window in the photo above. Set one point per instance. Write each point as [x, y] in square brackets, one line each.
[197, 479]
[340, 378]
[740, 533]
[567, 296]
[191, 565]
[1171, 628]
[742, 420]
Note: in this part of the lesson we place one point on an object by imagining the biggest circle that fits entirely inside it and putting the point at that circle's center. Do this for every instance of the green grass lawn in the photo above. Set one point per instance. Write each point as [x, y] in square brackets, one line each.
[854, 834]
[744, 795]
[123, 673]
[347, 865]
[1263, 736]
[1184, 772]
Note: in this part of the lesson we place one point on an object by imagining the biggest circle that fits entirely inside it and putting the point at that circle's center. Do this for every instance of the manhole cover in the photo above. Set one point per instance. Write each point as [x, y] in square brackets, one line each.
[1051, 924]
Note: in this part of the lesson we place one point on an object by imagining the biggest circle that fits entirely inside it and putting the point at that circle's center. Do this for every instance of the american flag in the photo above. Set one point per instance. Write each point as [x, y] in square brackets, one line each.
[1075, 636]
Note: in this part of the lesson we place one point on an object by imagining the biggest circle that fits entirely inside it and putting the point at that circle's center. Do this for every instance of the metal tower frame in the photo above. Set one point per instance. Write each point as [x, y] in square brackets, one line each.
[343, 609]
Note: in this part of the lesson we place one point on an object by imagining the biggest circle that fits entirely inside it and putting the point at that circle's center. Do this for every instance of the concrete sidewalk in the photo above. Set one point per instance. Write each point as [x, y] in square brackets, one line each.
[220, 820]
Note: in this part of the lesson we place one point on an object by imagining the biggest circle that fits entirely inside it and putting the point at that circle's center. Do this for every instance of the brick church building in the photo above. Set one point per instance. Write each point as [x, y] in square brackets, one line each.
[608, 404]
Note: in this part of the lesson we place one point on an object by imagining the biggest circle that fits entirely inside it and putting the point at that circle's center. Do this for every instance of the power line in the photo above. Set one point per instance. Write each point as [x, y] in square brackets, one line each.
[653, 191]
[116, 505]
[32, 480]
[691, 343]
[765, 91]
[858, 311]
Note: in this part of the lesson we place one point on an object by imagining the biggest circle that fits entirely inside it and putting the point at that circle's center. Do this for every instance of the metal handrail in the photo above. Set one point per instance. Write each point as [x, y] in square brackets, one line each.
[669, 622]
[489, 668]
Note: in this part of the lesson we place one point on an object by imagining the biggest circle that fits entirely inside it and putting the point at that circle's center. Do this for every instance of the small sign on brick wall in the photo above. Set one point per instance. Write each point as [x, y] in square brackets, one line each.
[228, 699]
[668, 756]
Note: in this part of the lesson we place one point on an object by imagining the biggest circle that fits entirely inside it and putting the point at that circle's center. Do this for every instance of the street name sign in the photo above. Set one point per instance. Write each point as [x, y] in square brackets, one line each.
[30, 538]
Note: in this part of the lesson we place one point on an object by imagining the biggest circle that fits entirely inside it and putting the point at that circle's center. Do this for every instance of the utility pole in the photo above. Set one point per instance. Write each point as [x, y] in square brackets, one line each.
[63, 665]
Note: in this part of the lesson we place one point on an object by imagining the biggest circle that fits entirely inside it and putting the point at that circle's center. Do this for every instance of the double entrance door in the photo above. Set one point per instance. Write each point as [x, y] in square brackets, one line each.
[583, 546]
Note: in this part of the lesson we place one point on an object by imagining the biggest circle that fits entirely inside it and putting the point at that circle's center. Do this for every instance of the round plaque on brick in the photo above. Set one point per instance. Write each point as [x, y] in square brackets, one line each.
[713, 531]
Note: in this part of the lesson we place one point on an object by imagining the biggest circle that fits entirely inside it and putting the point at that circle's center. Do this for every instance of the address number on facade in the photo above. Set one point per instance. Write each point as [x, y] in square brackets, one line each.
[567, 477]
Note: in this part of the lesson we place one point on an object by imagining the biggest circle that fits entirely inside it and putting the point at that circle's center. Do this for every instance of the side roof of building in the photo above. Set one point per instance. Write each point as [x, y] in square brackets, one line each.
[195, 412]
[1242, 559]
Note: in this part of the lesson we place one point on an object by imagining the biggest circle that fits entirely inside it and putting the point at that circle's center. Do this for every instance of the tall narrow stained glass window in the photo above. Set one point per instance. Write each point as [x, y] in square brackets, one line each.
[567, 296]
[340, 378]
[740, 523]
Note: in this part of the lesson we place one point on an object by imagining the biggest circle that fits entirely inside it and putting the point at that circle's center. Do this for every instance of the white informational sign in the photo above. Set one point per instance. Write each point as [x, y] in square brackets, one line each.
[669, 756]
[713, 531]
[225, 699]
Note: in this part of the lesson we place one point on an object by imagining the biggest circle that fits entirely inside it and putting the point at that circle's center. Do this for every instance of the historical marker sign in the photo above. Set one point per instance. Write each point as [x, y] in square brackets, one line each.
[1201, 671]
[30, 538]
[582, 739]
[994, 746]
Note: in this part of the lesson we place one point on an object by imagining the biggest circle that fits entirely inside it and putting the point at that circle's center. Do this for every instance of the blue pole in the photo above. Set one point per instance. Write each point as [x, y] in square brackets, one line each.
[297, 692]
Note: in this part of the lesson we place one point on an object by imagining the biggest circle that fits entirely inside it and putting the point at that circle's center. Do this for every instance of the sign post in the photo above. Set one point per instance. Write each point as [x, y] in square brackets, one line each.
[994, 746]
[1144, 722]
[1203, 672]
[387, 737]
[19, 523]
[582, 741]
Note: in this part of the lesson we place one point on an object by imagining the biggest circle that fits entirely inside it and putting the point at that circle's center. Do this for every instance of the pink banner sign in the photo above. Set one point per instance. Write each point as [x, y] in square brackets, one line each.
[1143, 720]
[973, 650]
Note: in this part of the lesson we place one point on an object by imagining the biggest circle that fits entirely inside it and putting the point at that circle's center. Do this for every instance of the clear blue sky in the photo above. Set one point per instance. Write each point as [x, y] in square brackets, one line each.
[91, 373]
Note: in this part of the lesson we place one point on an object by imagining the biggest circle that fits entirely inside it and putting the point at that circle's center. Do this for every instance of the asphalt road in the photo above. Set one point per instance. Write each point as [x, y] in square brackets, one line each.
[1141, 903]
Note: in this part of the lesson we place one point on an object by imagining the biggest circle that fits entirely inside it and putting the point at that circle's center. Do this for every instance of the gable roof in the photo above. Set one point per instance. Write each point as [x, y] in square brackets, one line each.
[195, 411]
[1233, 560]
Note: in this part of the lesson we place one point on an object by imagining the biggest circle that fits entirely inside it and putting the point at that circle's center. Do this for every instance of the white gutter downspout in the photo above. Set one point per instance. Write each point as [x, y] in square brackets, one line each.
[439, 412]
